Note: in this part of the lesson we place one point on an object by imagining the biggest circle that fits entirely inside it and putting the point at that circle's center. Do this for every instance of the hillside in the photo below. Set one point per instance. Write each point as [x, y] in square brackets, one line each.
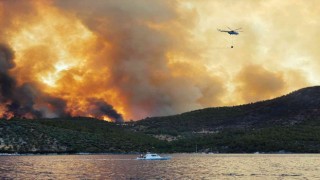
[290, 123]
[70, 135]
[294, 108]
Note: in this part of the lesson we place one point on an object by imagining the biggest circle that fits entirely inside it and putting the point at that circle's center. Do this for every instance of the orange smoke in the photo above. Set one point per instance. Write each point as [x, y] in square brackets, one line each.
[53, 50]
[114, 60]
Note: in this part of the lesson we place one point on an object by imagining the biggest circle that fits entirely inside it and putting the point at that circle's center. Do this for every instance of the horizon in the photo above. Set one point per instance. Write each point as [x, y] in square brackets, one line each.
[115, 60]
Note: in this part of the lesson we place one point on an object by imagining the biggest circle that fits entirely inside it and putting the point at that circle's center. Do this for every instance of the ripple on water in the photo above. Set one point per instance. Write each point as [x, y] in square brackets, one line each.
[182, 166]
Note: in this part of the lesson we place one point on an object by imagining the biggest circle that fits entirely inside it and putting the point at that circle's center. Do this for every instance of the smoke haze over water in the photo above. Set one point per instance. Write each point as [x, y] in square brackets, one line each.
[125, 59]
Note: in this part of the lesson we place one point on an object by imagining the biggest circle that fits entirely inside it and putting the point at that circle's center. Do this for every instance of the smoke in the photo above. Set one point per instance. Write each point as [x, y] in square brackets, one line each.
[128, 59]
[275, 53]
[27, 101]
[99, 108]
[42, 58]
[7, 83]
[255, 82]
[6, 58]
[140, 69]
[22, 101]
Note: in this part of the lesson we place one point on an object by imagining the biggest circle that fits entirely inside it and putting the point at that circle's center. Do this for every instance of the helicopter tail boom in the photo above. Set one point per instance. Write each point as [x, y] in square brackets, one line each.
[222, 30]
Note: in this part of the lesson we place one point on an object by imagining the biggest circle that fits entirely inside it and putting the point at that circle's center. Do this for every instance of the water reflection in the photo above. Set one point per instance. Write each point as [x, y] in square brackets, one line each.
[182, 166]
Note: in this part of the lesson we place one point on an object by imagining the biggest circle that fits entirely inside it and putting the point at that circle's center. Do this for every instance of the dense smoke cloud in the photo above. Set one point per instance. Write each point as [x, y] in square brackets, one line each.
[7, 83]
[6, 58]
[139, 63]
[21, 101]
[98, 108]
[256, 83]
[131, 59]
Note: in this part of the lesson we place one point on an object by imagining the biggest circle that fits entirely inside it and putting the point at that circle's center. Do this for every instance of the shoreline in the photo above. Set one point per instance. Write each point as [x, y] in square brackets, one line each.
[83, 153]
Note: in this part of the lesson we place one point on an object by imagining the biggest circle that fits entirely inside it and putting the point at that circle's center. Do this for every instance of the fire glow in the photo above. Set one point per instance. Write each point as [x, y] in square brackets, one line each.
[117, 60]
[51, 53]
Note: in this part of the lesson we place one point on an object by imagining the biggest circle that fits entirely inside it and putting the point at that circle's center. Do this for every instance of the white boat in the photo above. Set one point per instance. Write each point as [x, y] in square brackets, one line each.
[152, 156]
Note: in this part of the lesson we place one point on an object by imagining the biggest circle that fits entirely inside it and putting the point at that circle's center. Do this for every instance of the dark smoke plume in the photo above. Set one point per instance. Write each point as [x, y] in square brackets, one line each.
[25, 101]
[7, 83]
[100, 108]
[28, 101]
[6, 58]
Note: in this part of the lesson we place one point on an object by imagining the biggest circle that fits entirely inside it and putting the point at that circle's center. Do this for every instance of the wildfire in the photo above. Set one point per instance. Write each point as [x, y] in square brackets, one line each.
[53, 51]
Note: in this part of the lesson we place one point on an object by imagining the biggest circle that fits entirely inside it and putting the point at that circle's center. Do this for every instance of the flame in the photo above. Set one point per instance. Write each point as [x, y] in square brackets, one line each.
[4, 113]
[52, 50]
[94, 58]
[106, 118]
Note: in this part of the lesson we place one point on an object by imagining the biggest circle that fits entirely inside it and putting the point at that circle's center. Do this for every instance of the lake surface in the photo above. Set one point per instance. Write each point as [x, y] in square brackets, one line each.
[181, 166]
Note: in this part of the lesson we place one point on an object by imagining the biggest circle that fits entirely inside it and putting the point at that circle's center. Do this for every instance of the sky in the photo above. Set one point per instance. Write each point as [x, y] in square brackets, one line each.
[131, 59]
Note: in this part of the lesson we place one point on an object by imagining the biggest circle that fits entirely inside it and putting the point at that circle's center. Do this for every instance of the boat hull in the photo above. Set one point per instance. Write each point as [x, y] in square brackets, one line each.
[162, 158]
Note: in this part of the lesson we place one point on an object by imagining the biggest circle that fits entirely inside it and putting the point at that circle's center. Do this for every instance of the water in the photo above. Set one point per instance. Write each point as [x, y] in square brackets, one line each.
[182, 166]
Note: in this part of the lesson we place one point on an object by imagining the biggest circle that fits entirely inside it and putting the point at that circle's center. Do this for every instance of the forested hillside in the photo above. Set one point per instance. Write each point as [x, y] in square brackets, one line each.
[290, 123]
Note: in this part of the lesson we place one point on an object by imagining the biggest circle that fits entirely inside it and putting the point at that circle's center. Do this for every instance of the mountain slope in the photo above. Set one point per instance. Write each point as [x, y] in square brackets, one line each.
[70, 135]
[294, 108]
[290, 123]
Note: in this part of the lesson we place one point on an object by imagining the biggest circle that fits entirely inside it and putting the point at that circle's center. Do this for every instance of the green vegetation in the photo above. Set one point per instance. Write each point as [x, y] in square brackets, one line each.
[96, 136]
[303, 138]
[289, 123]
[289, 110]
[71, 135]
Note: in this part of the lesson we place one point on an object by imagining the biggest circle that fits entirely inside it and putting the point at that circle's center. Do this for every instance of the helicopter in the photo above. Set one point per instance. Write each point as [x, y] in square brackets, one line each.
[231, 32]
